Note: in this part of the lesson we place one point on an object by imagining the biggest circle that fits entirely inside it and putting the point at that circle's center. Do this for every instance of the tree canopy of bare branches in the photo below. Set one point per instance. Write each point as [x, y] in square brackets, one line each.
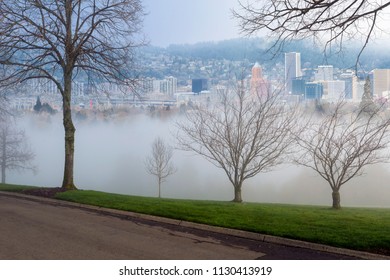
[340, 144]
[244, 134]
[159, 162]
[15, 154]
[58, 39]
[330, 21]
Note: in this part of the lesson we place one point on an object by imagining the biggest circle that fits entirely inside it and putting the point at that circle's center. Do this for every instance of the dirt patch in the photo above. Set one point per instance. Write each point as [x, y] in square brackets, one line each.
[44, 192]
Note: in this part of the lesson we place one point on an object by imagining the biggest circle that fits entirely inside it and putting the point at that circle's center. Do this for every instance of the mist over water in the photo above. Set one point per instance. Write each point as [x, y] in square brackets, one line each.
[110, 155]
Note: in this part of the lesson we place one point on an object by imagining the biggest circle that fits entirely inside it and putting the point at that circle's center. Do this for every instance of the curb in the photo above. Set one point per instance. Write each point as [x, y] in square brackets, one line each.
[232, 232]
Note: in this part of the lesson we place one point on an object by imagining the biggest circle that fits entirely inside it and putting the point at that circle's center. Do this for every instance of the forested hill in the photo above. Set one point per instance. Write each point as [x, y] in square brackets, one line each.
[255, 49]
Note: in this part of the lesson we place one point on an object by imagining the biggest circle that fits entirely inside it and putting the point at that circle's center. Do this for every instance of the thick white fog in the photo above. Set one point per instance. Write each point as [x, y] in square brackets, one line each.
[110, 157]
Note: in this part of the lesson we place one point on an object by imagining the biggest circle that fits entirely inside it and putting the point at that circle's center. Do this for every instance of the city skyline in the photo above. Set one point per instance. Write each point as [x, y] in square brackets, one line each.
[321, 84]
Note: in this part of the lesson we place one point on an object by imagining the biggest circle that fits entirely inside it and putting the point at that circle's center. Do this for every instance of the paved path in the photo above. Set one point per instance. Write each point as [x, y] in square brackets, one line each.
[47, 229]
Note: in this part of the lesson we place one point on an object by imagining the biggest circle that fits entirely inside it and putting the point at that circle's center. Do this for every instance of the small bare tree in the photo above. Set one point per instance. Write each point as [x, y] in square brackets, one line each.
[57, 40]
[329, 21]
[244, 134]
[15, 154]
[338, 145]
[3, 107]
[159, 162]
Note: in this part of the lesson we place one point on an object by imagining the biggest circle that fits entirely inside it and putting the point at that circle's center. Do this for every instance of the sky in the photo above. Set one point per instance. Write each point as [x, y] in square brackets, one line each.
[189, 21]
[193, 21]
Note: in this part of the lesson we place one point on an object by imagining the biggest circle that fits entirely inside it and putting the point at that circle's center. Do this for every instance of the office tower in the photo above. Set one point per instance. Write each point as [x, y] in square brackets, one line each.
[167, 86]
[350, 80]
[259, 86]
[199, 85]
[298, 86]
[324, 73]
[381, 82]
[333, 90]
[292, 69]
[313, 91]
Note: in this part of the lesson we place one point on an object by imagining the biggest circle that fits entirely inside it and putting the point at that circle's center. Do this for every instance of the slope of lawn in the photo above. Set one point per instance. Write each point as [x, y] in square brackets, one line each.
[354, 228]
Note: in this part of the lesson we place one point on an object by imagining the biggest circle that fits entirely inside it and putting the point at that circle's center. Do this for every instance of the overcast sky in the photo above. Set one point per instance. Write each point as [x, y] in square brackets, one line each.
[189, 21]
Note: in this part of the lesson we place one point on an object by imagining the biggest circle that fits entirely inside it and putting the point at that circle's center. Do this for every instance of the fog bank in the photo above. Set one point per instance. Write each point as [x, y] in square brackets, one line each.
[110, 157]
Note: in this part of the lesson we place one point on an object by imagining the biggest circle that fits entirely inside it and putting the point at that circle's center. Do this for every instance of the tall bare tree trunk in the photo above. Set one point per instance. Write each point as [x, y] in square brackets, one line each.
[69, 134]
[3, 160]
[159, 187]
[3, 173]
[237, 193]
[336, 200]
[67, 102]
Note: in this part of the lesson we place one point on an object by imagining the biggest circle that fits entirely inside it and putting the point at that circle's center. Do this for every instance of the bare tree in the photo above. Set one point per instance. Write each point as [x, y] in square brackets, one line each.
[338, 145]
[58, 39]
[244, 134]
[159, 162]
[15, 154]
[4, 112]
[326, 20]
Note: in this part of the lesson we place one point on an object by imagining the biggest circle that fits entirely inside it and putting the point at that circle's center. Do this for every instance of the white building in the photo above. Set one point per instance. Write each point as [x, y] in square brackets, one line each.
[381, 82]
[333, 90]
[167, 86]
[324, 73]
[42, 87]
[36, 87]
[350, 79]
[78, 89]
[292, 68]
[359, 90]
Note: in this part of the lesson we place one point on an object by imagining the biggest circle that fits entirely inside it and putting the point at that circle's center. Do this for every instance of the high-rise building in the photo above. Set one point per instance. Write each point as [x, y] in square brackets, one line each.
[313, 91]
[292, 69]
[167, 86]
[298, 86]
[199, 85]
[259, 86]
[381, 82]
[350, 80]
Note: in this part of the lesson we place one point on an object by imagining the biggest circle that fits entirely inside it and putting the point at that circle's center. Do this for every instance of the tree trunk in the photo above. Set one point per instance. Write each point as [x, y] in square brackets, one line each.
[336, 200]
[4, 158]
[70, 130]
[237, 194]
[3, 173]
[69, 134]
[159, 187]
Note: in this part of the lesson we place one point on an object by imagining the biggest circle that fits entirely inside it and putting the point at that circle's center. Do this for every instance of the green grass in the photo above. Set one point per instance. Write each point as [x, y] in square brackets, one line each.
[14, 188]
[354, 228]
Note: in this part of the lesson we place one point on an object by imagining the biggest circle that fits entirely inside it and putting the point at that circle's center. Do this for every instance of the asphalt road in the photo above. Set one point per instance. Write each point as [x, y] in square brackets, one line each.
[41, 230]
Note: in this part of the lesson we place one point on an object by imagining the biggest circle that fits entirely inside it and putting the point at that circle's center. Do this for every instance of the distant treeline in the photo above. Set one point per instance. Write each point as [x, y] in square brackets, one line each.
[257, 49]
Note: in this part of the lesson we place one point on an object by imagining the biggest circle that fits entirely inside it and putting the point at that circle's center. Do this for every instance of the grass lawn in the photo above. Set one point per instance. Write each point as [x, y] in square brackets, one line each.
[14, 188]
[365, 229]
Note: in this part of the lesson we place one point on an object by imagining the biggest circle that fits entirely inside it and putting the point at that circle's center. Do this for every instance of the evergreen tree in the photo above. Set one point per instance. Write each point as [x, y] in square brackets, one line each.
[38, 105]
[47, 108]
[367, 104]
